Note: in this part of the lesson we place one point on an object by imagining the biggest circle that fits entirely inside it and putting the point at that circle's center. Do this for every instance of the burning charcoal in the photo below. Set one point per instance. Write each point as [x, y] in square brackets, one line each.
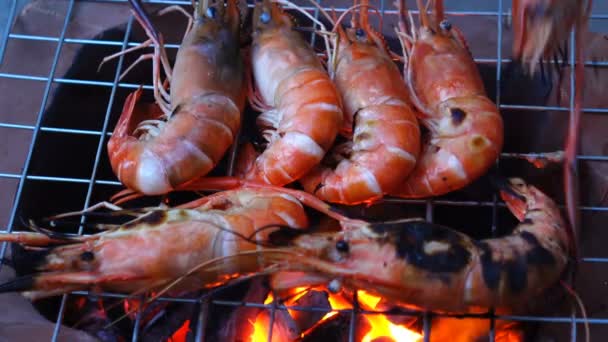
[166, 322]
[90, 316]
[306, 319]
[239, 322]
[283, 327]
[334, 328]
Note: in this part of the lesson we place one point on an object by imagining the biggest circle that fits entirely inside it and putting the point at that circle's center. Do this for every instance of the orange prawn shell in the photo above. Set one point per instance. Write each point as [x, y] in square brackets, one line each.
[162, 245]
[424, 265]
[459, 76]
[465, 126]
[169, 155]
[306, 109]
[380, 120]
[203, 115]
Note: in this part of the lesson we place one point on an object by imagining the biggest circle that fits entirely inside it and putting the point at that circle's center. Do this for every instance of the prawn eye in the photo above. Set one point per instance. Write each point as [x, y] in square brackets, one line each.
[211, 12]
[360, 33]
[87, 256]
[445, 25]
[265, 17]
[342, 246]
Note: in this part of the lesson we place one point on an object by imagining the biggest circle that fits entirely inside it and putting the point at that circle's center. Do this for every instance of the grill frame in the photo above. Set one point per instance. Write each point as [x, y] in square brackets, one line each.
[93, 180]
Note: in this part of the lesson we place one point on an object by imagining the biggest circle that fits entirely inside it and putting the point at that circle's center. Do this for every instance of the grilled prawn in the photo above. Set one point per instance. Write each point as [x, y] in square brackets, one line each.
[465, 127]
[154, 149]
[159, 245]
[424, 265]
[420, 264]
[301, 108]
[386, 141]
[540, 27]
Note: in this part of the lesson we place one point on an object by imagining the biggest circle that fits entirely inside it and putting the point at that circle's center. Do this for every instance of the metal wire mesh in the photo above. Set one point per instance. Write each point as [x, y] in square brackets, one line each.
[61, 40]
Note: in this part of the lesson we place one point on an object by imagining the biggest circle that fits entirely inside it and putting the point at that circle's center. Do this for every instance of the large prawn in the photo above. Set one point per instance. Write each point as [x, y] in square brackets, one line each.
[158, 246]
[465, 127]
[301, 108]
[424, 265]
[382, 150]
[419, 264]
[540, 27]
[153, 150]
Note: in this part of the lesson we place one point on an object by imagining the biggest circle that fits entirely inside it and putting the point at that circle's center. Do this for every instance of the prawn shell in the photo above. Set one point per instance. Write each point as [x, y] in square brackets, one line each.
[459, 76]
[380, 121]
[163, 245]
[306, 109]
[433, 267]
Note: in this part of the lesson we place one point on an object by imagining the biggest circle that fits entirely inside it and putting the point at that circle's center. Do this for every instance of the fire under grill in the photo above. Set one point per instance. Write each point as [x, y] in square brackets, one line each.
[62, 110]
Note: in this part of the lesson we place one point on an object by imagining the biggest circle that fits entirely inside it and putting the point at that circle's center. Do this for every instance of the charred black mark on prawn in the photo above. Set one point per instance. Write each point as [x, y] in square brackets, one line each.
[537, 255]
[427, 246]
[490, 270]
[493, 271]
[153, 218]
[283, 236]
[515, 269]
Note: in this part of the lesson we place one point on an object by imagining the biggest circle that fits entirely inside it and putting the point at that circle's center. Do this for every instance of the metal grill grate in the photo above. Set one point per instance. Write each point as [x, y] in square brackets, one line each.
[501, 13]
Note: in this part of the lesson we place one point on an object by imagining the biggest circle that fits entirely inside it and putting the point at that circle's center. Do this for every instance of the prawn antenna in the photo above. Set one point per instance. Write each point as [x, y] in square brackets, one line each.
[193, 270]
[581, 306]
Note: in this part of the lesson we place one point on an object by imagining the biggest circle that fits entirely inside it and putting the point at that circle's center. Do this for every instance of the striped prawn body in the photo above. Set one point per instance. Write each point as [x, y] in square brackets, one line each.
[384, 135]
[301, 108]
[465, 128]
[419, 264]
[158, 246]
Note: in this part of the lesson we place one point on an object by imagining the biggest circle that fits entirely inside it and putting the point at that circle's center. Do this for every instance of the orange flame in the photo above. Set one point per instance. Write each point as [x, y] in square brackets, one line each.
[260, 329]
[381, 326]
[131, 305]
[181, 334]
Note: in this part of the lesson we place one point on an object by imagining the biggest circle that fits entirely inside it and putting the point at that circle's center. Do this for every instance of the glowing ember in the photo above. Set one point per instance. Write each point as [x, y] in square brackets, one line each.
[380, 326]
[131, 306]
[337, 302]
[260, 326]
[181, 334]
[268, 299]
[260, 329]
